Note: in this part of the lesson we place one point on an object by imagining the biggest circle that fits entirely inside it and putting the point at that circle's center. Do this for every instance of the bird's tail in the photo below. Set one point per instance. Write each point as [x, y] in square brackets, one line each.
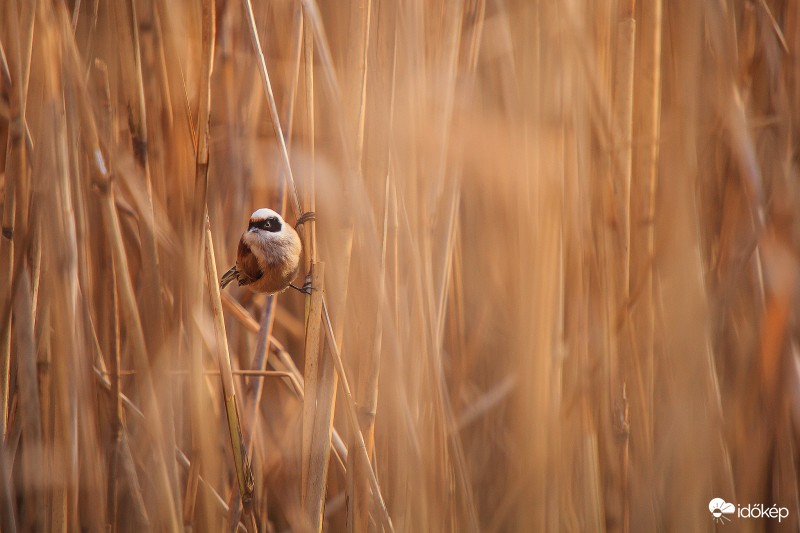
[227, 277]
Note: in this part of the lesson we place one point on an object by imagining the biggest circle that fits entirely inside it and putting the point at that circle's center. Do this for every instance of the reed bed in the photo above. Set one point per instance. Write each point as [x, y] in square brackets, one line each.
[554, 264]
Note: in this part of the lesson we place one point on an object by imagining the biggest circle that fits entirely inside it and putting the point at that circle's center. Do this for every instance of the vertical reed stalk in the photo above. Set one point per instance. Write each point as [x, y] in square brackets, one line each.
[17, 228]
[196, 241]
[28, 400]
[117, 427]
[309, 188]
[244, 473]
[357, 485]
[15, 208]
[623, 150]
[7, 272]
[642, 307]
[643, 202]
[317, 418]
[623, 147]
[138, 123]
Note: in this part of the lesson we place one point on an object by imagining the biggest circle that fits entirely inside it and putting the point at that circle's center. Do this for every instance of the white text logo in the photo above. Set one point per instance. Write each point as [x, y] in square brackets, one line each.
[722, 511]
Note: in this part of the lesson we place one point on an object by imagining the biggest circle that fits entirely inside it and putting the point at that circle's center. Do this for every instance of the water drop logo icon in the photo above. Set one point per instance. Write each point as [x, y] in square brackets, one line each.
[719, 508]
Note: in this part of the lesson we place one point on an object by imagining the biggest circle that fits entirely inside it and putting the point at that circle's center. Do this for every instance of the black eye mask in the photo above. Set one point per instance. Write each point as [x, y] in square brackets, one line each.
[271, 224]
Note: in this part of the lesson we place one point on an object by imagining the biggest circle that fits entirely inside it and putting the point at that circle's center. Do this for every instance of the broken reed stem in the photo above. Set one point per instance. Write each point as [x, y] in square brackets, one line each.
[244, 473]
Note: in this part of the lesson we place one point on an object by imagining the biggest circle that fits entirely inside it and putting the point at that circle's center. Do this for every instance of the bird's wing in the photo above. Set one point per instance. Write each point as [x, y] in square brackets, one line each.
[247, 265]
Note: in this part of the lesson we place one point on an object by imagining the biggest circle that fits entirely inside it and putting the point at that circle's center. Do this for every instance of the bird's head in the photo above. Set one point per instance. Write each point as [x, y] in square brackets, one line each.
[266, 223]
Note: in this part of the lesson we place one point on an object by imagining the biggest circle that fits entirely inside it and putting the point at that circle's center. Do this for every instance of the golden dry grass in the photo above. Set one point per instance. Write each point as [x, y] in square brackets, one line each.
[558, 243]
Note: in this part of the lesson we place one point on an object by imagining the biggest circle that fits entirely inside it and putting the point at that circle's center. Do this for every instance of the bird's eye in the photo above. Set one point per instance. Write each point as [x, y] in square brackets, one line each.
[273, 224]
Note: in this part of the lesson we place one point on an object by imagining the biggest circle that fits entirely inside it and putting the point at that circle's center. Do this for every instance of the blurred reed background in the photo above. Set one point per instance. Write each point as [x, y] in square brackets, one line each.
[558, 243]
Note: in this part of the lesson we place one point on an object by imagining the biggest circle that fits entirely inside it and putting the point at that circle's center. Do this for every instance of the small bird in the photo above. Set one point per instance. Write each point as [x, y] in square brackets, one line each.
[268, 257]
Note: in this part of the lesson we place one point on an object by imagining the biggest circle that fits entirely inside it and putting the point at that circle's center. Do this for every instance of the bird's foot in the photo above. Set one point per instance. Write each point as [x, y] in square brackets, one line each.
[228, 277]
[305, 289]
[305, 217]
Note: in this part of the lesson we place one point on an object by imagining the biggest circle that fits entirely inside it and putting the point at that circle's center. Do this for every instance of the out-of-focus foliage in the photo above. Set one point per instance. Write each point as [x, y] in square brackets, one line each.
[561, 262]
